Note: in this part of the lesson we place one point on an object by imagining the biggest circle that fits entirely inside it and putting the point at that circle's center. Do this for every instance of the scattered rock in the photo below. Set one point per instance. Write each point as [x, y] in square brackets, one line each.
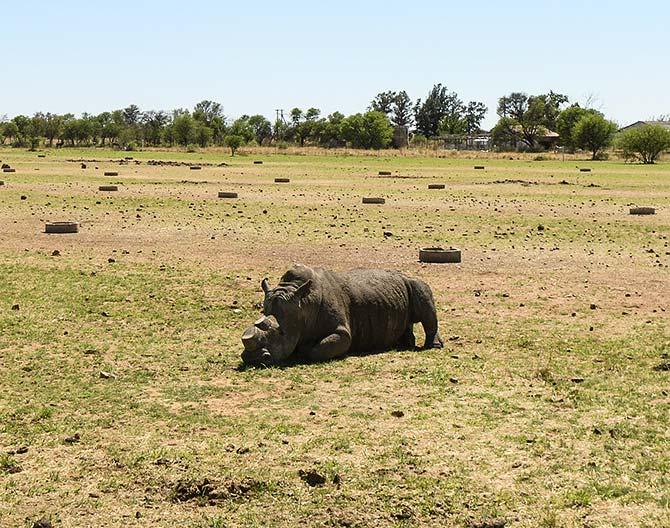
[55, 253]
[397, 414]
[403, 513]
[74, 439]
[312, 477]
[210, 492]
[489, 523]
[43, 523]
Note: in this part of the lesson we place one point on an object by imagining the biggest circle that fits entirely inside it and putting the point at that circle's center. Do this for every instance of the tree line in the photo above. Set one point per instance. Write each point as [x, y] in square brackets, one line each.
[392, 119]
[388, 122]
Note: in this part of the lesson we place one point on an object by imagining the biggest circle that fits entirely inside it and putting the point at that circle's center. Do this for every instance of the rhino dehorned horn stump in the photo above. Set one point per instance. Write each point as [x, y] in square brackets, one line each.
[318, 315]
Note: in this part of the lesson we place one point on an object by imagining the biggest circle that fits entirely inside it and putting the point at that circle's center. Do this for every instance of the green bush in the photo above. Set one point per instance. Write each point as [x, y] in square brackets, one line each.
[593, 133]
[645, 143]
[234, 141]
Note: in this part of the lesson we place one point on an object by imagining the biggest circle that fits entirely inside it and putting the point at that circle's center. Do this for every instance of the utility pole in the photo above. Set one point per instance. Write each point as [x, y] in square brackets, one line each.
[279, 121]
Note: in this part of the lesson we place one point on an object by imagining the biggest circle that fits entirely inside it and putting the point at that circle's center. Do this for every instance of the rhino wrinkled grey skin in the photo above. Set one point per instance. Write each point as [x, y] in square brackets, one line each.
[320, 315]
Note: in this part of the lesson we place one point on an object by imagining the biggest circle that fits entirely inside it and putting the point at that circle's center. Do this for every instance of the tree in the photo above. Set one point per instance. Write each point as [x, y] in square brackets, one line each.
[523, 118]
[296, 116]
[383, 102]
[441, 109]
[566, 121]
[10, 131]
[183, 129]
[368, 131]
[52, 126]
[202, 134]
[594, 132]
[24, 130]
[153, 124]
[207, 112]
[645, 143]
[330, 132]
[261, 127]
[233, 141]
[474, 115]
[242, 127]
[303, 125]
[552, 108]
[402, 110]
[453, 121]
[132, 115]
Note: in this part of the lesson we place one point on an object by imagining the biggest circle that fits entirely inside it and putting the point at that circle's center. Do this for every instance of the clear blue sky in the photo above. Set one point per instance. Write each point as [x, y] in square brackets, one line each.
[255, 56]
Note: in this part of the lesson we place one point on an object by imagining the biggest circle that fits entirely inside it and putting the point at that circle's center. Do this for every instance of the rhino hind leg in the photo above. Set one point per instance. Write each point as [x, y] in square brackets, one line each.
[424, 312]
[433, 339]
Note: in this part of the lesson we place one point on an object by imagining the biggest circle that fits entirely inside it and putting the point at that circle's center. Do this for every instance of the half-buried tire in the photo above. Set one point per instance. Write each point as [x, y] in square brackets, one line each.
[439, 255]
[436, 186]
[373, 200]
[226, 194]
[642, 211]
[108, 188]
[61, 227]
[282, 180]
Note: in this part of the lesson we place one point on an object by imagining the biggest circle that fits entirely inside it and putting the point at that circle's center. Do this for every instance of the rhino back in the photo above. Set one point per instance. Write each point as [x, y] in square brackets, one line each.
[378, 307]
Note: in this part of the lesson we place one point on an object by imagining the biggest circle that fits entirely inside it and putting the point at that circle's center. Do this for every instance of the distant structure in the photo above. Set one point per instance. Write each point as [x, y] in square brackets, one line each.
[638, 124]
[483, 140]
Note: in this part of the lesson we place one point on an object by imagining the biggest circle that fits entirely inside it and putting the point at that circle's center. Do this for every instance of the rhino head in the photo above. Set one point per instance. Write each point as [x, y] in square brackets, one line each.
[263, 342]
[274, 337]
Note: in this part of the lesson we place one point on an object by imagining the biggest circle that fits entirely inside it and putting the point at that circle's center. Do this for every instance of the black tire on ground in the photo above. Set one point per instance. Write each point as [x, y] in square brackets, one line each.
[642, 211]
[282, 180]
[108, 188]
[195, 167]
[384, 173]
[373, 200]
[61, 227]
[111, 173]
[479, 167]
[41, 155]
[258, 162]
[225, 194]
[439, 255]
[584, 170]
[8, 170]
[436, 186]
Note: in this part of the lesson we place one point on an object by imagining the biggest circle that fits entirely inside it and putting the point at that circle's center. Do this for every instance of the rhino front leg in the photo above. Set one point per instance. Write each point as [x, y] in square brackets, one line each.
[334, 345]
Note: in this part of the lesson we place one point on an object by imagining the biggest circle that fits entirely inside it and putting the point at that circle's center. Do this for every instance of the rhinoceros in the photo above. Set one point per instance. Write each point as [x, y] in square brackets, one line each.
[319, 315]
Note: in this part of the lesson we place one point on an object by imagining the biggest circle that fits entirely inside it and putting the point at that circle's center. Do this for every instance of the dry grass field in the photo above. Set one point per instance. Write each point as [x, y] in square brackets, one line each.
[122, 400]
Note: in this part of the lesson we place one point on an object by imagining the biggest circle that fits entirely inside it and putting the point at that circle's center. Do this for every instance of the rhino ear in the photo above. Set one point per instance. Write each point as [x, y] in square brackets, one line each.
[303, 290]
[265, 284]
